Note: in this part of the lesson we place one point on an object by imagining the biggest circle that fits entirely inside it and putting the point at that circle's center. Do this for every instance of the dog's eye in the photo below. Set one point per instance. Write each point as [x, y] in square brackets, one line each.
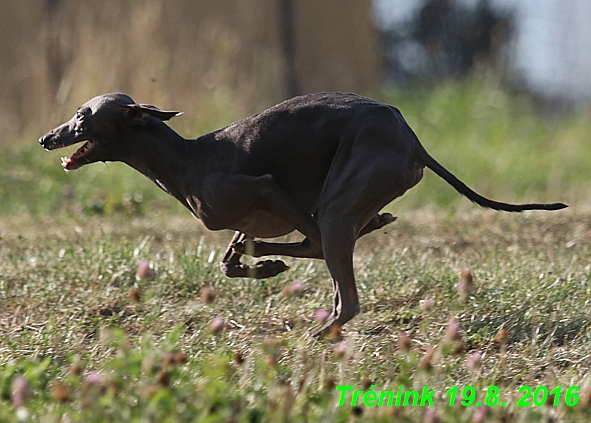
[80, 115]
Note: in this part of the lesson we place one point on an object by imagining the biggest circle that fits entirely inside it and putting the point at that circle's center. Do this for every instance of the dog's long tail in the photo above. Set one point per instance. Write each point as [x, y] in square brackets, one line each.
[463, 189]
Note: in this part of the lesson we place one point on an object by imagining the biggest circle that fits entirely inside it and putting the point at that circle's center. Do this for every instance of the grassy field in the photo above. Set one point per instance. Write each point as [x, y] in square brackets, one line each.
[504, 145]
[82, 339]
[96, 345]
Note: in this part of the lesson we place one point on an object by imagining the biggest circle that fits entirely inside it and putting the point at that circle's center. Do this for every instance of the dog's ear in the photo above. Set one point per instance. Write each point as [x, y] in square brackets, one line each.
[139, 114]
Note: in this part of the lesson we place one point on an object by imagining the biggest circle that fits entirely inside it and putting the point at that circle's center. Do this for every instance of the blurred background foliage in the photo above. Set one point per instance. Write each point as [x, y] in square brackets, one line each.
[448, 65]
[205, 57]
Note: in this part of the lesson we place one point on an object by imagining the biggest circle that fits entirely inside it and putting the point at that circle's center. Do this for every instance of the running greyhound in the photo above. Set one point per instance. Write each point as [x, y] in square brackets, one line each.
[323, 164]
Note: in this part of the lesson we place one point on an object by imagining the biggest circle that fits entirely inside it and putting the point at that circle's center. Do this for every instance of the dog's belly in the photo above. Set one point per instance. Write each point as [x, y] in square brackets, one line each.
[261, 224]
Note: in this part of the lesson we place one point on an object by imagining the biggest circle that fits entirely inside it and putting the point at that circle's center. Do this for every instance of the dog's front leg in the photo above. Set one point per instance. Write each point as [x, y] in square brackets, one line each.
[305, 248]
[233, 268]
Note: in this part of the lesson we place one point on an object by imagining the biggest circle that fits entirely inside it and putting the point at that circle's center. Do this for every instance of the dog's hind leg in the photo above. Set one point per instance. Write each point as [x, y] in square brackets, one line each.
[367, 174]
[338, 241]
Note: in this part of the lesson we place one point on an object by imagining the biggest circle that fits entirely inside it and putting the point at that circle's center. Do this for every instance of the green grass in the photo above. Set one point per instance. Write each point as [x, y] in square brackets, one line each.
[65, 293]
[499, 143]
[82, 340]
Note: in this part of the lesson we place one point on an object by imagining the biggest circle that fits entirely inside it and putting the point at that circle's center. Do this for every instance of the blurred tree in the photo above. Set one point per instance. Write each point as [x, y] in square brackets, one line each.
[445, 38]
[55, 63]
[288, 47]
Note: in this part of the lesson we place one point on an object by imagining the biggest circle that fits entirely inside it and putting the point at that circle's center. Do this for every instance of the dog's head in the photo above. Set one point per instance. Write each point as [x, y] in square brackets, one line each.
[106, 123]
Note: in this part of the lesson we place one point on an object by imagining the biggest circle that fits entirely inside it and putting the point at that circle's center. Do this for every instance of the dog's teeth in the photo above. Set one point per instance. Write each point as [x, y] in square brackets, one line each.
[89, 144]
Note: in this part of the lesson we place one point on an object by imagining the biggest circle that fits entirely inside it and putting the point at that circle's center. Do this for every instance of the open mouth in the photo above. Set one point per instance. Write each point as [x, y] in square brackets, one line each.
[80, 157]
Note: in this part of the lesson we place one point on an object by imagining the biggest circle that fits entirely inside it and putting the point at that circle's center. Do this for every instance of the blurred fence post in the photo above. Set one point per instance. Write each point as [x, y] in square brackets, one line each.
[54, 58]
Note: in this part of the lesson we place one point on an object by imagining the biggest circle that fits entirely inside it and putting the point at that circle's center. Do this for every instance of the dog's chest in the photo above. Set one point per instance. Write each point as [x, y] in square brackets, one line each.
[256, 223]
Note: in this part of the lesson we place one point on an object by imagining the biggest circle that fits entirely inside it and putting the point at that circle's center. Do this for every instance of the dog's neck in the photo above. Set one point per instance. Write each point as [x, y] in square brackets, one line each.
[161, 155]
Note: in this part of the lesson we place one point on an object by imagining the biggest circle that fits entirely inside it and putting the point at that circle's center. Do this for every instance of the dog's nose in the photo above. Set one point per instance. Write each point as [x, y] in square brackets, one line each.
[44, 140]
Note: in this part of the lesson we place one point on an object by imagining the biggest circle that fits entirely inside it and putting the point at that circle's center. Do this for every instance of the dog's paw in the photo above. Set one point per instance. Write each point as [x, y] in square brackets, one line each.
[261, 270]
[268, 268]
[378, 222]
[386, 218]
[330, 330]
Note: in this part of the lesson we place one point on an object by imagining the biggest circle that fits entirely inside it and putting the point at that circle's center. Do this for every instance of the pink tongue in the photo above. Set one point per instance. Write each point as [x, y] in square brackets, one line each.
[78, 153]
